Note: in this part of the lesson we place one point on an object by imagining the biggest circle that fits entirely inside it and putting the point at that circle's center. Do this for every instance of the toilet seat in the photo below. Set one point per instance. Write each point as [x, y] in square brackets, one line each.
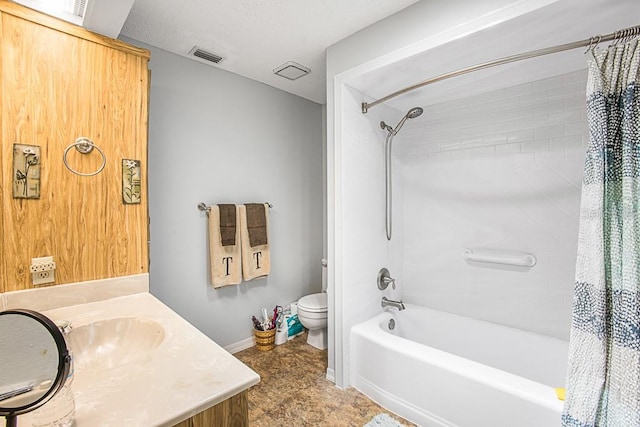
[314, 303]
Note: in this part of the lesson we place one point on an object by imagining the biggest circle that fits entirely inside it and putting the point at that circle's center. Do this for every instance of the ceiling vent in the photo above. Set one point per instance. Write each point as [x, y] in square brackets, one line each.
[79, 7]
[207, 56]
[292, 70]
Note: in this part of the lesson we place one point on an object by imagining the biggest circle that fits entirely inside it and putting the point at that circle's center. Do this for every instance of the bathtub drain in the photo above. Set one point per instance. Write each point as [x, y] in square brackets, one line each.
[392, 324]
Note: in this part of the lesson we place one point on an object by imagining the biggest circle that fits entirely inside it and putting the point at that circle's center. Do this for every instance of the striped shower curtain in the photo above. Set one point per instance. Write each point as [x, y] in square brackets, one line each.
[603, 379]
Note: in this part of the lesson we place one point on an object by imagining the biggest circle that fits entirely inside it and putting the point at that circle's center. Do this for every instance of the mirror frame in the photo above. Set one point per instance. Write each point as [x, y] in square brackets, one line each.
[64, 364]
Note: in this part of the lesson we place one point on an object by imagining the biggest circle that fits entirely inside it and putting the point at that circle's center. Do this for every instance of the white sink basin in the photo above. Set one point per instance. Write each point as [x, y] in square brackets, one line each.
[113, 342]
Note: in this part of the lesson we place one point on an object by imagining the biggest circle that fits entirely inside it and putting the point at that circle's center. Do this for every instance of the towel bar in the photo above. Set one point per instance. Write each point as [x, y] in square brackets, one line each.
[203, 207]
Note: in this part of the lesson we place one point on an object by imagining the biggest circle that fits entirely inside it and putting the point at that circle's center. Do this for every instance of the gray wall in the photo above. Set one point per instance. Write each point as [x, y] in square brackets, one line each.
[217, 137]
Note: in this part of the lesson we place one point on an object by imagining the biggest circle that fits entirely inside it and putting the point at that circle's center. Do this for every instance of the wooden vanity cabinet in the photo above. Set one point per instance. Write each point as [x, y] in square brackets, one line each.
[233, 412]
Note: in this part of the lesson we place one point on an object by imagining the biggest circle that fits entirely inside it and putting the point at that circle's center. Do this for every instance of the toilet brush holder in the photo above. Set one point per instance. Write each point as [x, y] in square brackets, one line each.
[265, 340]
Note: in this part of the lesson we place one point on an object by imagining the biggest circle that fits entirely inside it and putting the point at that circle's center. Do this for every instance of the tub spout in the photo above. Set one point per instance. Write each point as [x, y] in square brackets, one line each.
[391, 303]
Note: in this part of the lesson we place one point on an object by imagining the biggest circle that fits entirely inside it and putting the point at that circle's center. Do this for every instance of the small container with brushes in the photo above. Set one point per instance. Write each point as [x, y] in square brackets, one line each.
[265, 331]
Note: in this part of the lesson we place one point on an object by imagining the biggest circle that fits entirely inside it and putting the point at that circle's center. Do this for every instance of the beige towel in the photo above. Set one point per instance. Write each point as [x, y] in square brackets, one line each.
[226, 263]
[256, 260]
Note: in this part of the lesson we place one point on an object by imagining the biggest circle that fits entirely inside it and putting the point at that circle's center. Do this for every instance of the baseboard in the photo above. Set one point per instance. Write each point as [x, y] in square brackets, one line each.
[240, 345]
[331, 375]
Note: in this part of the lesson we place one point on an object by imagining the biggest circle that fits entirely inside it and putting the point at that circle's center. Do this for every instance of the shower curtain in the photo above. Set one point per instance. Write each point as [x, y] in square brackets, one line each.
[603, 379]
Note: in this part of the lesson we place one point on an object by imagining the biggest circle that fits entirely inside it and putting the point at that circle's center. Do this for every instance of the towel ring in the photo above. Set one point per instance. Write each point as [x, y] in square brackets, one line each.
[85, 146]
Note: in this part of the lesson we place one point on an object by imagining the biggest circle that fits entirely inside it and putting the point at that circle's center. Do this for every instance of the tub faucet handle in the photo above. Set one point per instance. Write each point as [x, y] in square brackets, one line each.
[385, 279]
[64, 326]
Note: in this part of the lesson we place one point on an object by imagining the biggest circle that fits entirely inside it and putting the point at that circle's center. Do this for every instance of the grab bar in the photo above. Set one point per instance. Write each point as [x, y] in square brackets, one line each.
[520, 259]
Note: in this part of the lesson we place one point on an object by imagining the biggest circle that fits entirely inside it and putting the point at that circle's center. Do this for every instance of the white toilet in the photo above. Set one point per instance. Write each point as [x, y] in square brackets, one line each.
[312, 312]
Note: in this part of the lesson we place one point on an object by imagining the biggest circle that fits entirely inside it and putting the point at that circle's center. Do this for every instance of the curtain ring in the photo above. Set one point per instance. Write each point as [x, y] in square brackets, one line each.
[616, 37]
[85, 146]
[632, 33]
[593, 43]
[622, 38]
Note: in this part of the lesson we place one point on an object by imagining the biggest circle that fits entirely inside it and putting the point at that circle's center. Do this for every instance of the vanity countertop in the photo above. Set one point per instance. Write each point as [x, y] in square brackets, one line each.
[186, 374]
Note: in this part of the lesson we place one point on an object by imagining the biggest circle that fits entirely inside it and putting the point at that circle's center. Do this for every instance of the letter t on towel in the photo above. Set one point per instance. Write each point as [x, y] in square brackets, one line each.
[254, 233]
[224, 245]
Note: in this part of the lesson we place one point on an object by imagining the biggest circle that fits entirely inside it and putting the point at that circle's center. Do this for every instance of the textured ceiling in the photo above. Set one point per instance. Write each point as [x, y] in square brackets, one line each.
[256, 36]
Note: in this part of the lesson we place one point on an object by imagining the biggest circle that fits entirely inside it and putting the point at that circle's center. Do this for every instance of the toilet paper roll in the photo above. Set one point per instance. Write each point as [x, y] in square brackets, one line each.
[282, 335]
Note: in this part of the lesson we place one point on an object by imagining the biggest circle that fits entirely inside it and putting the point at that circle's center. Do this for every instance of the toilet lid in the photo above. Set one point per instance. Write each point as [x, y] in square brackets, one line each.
[313, 302]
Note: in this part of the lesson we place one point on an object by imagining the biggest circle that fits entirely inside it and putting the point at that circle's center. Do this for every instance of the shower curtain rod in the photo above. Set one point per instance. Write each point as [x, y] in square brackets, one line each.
[627, 33]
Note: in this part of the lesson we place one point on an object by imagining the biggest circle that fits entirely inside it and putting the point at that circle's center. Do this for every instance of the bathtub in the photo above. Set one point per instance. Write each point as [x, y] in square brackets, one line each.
[440, 369]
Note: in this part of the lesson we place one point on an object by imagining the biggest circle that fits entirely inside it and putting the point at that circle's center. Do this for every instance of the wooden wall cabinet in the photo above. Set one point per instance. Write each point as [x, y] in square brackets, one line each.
[59, 82]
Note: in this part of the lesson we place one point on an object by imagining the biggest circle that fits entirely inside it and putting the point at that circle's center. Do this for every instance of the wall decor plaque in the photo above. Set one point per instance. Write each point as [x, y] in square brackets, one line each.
[131, 182]
[26, 171]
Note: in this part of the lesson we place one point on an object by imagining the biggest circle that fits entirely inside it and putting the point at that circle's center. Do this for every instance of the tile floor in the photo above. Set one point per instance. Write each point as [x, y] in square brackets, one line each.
[293, 390]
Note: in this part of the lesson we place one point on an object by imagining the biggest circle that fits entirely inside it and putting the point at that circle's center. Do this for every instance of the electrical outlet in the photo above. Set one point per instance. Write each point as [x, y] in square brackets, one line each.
[43, 270]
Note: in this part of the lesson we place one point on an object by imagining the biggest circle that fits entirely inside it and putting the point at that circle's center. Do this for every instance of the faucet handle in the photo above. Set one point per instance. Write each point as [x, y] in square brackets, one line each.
[64, 326]
[384, 279]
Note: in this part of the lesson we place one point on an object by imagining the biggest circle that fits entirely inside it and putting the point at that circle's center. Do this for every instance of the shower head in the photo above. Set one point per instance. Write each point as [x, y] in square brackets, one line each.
[411, 114]
[414, 112]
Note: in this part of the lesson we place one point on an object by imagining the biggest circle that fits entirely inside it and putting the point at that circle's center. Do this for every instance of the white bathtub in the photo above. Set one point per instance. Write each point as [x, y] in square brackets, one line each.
[440, 369]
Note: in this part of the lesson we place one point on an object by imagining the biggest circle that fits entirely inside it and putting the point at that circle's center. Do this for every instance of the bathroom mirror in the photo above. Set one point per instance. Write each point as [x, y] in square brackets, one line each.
[34, 362]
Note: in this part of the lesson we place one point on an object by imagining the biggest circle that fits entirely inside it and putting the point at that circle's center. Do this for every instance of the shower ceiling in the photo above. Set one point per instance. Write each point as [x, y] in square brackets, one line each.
[561, 22]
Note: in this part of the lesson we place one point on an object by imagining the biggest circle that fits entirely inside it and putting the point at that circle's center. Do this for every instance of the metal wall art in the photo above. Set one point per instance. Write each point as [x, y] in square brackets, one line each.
[131, 182]
[26, 171]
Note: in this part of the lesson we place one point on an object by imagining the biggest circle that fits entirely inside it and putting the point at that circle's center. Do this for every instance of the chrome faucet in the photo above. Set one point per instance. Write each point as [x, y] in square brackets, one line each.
[391, 303]
[64, 326]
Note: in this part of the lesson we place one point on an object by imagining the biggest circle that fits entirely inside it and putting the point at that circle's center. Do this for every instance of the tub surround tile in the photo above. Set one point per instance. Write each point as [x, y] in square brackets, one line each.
[532, 107]
[568, 142]
[52, 297]
[293, 388]
[516, 200]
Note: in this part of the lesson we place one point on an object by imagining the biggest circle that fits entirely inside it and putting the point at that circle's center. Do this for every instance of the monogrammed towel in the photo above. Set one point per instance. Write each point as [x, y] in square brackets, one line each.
[226, 263]
[254, 234]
